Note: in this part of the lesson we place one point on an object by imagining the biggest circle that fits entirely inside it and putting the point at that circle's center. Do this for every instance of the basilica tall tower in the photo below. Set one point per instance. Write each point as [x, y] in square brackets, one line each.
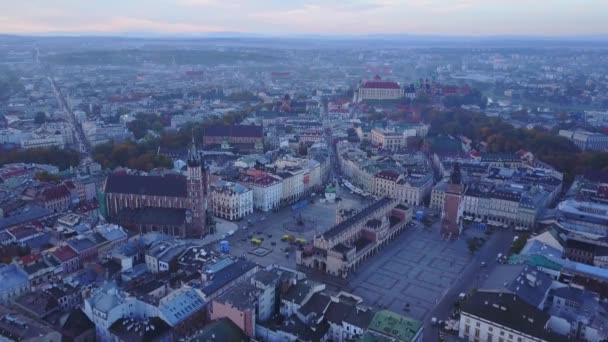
[198, 183]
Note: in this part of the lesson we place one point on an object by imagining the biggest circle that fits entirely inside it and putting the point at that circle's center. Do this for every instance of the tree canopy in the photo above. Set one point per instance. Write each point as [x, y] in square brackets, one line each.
[140, 156]
[62, 158]
[501, 136]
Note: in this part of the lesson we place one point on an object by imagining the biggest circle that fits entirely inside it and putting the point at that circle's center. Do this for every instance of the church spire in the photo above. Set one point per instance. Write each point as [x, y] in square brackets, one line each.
[194, 158]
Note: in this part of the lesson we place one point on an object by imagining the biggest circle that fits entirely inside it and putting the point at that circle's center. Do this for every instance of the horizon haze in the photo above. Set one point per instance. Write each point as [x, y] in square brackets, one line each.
[543, 18]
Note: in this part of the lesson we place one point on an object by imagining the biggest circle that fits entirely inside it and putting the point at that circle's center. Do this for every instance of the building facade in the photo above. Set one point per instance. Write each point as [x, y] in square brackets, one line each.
[176, 205]
[388, 140]
[230, 201]
[356, 237]
[267, 190]
[377, 89]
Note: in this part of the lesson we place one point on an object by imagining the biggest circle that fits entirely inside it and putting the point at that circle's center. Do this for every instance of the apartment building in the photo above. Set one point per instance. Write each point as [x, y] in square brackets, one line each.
[388, 140]
[411, 189]
[498, 316]
[510, 206]
[230, 201]
[267, 190]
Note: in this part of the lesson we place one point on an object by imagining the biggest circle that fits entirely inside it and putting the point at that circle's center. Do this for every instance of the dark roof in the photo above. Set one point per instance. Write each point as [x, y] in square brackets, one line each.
[170, 185]
[337, 312]
[38, 302]
[64, 253]
[128, 329]
[380, 84]
[55, 192]
[580, 245]
[388, 174]
[360, 318]
[499, 157]
[508, 310]
[150, 215]
[81, 244]
[266, 277]
[221, 330]
[298, 292]
[76, 324]
[337, 229]
[317, 303]
[228, 274]
[234, 131]
[569, 293]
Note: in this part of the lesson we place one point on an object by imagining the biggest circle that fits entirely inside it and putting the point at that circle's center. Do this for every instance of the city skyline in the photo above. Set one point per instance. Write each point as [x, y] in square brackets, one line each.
[300, 17]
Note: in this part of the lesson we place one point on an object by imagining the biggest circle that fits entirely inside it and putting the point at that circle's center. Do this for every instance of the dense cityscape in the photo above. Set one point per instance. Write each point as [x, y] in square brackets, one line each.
[303, 189]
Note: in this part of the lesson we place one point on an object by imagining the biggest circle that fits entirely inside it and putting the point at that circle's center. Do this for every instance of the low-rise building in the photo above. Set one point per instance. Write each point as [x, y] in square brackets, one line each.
[342, 248]
[267, 190]
[409, 188]
[245, 137]
[490, 315]
[388, 140]
[239, 304]
[14, 282]
[578, 313]
[17, 327]
[513, 205]
[587, 141]
[67, 257]
[388, 325]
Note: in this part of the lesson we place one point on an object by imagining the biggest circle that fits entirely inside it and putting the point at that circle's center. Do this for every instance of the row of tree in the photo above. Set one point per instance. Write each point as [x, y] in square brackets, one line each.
[140, 156]
[62, 158]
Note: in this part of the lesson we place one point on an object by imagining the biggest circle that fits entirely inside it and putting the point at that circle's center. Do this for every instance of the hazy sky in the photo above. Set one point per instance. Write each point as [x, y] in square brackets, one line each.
[442, 17]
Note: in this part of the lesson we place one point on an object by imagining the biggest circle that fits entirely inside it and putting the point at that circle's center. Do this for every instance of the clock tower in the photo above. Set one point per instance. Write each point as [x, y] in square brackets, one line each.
[198, 183]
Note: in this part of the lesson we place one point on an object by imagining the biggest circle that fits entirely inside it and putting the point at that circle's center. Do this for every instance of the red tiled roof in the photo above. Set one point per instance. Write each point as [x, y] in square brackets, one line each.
[28, 259]
[55, 192]
[380, 85]
[21, 232]
[70, 185]
[388, 174]
[13, 173]
[64, 253]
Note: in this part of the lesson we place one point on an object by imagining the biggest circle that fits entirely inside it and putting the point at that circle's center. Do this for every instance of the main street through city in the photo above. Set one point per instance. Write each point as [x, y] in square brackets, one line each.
[82, 142]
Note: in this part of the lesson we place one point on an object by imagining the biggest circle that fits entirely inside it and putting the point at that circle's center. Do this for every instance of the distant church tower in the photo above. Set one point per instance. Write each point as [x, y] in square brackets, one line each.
[198, 182]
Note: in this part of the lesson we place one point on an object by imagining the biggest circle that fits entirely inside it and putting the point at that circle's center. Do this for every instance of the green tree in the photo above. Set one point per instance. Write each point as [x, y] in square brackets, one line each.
[519, 244]
[472, 245]
[40, 118]
[62, 158]
[47, 177]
